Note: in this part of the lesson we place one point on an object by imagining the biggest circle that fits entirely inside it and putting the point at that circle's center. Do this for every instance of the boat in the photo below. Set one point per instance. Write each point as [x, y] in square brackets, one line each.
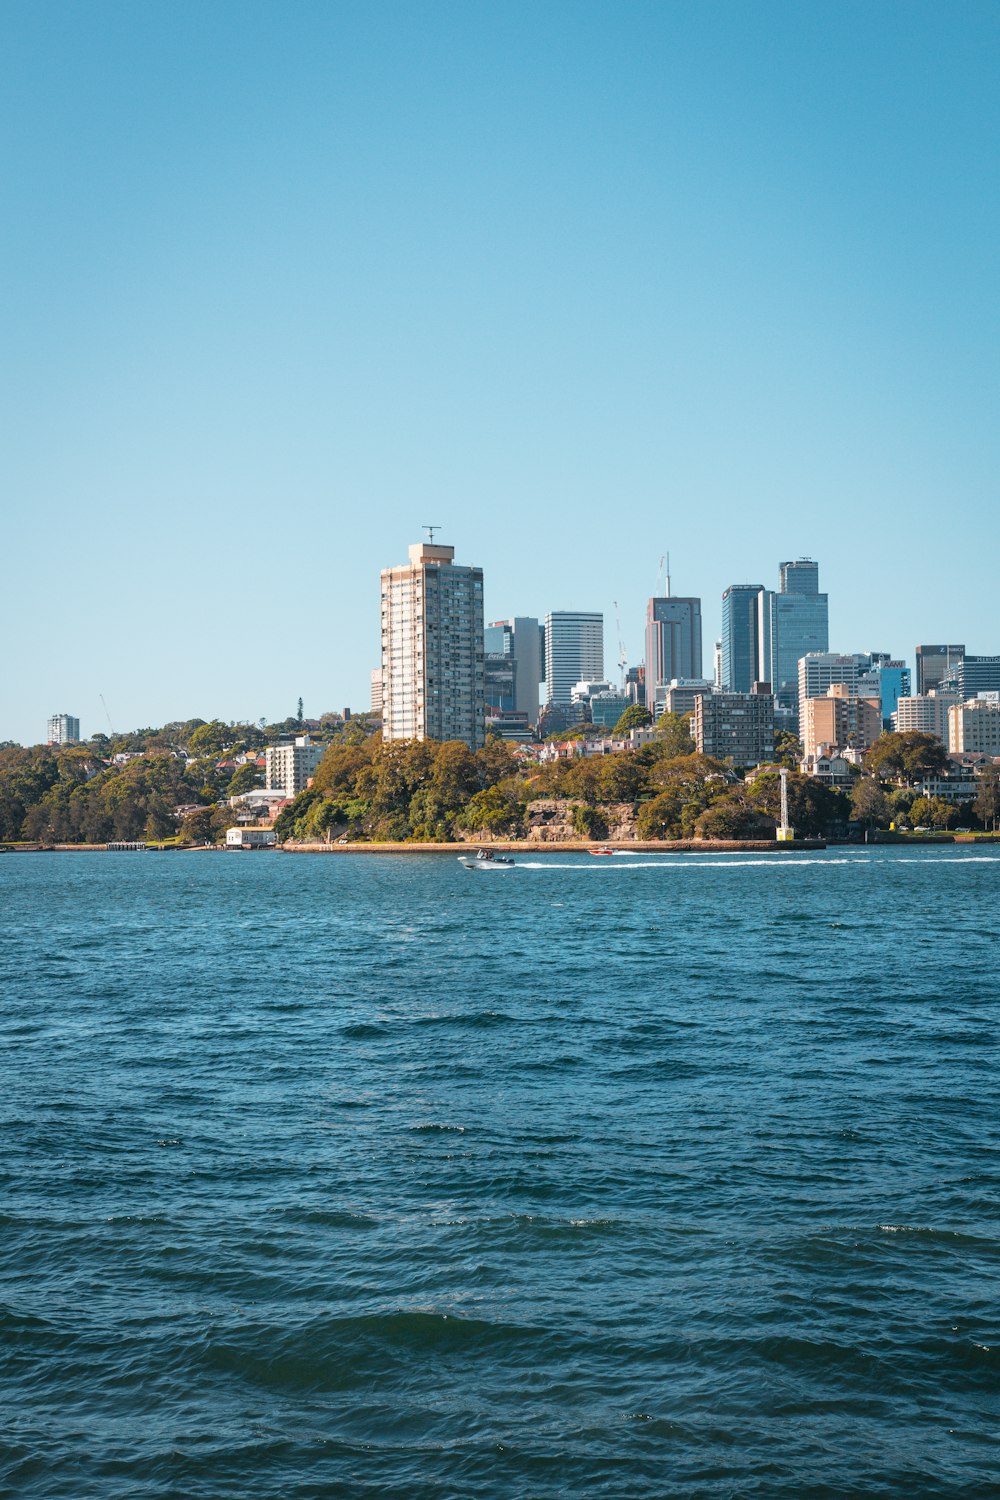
[604, 850]
[485, 859]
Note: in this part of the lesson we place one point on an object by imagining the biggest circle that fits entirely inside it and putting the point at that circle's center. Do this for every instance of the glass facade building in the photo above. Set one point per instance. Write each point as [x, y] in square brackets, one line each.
[738, 671]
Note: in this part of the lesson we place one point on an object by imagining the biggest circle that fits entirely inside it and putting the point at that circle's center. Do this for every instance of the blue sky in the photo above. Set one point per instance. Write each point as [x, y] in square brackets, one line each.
[581, 283]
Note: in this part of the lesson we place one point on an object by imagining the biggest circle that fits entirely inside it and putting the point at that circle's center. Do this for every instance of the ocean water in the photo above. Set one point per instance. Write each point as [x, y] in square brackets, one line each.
[368, 1175]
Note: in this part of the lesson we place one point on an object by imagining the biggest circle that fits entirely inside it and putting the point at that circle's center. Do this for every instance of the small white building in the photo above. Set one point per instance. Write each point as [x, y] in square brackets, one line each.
[975, 725]
[251, 838]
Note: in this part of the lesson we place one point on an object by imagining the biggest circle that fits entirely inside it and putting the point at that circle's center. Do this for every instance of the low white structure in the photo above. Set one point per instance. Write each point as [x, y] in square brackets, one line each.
[251, 838]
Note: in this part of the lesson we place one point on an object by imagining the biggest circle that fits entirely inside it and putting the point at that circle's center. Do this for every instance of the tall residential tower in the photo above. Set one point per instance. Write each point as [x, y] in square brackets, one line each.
[433, 683]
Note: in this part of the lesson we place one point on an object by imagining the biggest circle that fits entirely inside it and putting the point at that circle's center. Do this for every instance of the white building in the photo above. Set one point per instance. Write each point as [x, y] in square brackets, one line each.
[433, 665]
[251, 838]
[926, 713]
[289, 767]
[974, 726]
[574, 652]
[63, 730]
[376, 698]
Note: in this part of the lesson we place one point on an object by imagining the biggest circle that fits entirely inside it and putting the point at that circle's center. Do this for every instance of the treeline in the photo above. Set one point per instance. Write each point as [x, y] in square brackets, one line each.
[67, 798]
[423, 791]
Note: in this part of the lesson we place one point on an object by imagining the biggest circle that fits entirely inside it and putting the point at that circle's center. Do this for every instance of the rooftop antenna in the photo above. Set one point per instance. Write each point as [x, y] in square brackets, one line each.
[430, 530]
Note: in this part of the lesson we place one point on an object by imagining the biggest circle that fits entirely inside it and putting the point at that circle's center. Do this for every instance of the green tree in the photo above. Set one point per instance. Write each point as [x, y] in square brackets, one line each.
[907, 756]
[244, 779]
[659, 818]
[209, 740]
[636, 716]
[932, 812]
[733, 817]
[787, 749]
[589, 822]
[674, 730]
[868, 803]
[494, 810]
[987, 803]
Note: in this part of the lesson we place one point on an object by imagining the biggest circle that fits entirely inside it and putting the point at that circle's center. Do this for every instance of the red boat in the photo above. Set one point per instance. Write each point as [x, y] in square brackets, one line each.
[605, 850]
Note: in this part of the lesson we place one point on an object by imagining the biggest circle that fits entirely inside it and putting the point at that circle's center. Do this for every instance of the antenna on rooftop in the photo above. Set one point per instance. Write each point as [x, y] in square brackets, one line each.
[662, 577]
[430, 530]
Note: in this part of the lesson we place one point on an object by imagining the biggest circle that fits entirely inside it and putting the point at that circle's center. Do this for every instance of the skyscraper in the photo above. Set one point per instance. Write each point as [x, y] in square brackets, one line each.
[934, 663]
[432, 649]
[673, 645]
[739, 637]
[790, 624]
[574, 652]
[521, 638]
[63, 730]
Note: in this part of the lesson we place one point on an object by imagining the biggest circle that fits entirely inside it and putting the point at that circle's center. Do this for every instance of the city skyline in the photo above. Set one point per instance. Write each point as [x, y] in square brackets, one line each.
[582, 287]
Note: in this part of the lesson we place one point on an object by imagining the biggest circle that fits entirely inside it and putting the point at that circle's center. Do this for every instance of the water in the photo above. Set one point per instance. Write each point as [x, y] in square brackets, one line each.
[373, 1176]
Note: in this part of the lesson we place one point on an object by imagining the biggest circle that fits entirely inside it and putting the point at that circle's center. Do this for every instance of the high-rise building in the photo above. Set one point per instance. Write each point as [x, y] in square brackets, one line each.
[501, 681]
[739, 637]
[673, 645]
[376, 699]
[890, 680]
[523, 639]
[973, 675]
[933, 663]
[819, 670]
[63, 730]
[975, 726]
[433, 673]
[791, 624]
[574, 652]
[289, 766]
[839, 720]
[925, 714]
[735, 726]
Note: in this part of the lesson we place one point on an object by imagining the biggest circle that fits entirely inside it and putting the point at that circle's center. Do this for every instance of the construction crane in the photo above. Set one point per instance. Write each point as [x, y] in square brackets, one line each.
[622, 658]
[107, 715]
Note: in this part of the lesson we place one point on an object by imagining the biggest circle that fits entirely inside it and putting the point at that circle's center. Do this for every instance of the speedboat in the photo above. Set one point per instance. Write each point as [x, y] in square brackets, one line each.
[604, 850]
[485, 859]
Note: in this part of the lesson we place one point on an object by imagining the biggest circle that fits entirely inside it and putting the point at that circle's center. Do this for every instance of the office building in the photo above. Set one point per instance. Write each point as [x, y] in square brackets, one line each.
[972, 675]
[673, 646]
[924, 714]
[500, 672]
[735, 726]
[681, 693]
[433, 669]
[933, 664]
[974, 726]
[376, 698]
[739, 646]
[574, 652]
[839, 720]
[288, 766]
[791, 624]
[887, 680]
[523, 640]
[63, 730]
[819, 670]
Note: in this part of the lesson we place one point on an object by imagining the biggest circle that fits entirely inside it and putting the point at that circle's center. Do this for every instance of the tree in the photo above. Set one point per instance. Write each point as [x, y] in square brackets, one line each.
[674, 730]
[588, 821]
[634, 717]
[787, 749]
[732, 817]
[659, 817]
[495, 811]
[987, 803]
[244, 779]
[906, 756]
[868, 802]
[932, 812]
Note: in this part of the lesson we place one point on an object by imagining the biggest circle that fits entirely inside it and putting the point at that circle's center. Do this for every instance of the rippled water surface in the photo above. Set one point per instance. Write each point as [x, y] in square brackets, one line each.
[368, 1175]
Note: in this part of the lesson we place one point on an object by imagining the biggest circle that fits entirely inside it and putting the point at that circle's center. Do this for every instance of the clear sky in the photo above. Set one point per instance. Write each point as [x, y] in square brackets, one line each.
[581, 283]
